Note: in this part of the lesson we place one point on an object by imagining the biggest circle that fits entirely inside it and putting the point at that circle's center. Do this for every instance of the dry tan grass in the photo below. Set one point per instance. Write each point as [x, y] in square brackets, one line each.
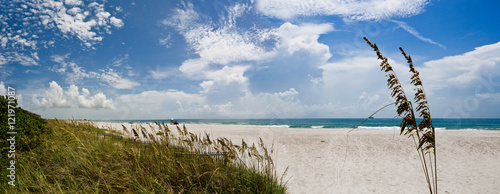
[424, 131]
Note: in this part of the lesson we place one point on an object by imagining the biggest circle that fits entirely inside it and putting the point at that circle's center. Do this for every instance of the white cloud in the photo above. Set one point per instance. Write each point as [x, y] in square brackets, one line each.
[291, 54]
[222, 44]
[225, 50]
[160, 104]
[85, 92]
[116, 22]
[367, 102]
[494, 97]
[53, 97]
[3, 91]
[19, 98]
[73, 2]
[456, 86]
[178, 104]
[59, 58]
[414, 32]
[56, 97]
[31, 24]
[97, 101]
[164, 72]
[72, 18]
[266, 104]
[225, 85]
[21, 58]
[170, 97]
[463, 70]
[166, 41]
[293, 38]
[358, 76]
[72, 91]
[228, 74]
[160, 74]
[3, 60]
[351, 10]
[464, 85]
[285, 104]
[119, 61]
[194, 68]
[75, 73]
[75, 23]
[184, 18]
[117, 81]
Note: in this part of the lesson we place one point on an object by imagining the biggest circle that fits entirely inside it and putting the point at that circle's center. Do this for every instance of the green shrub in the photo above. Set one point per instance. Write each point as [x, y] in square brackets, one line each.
[78, 157]
[28, 126]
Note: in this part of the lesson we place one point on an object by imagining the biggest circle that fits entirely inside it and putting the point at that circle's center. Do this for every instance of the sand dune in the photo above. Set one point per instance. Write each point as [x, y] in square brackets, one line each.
[374, 161]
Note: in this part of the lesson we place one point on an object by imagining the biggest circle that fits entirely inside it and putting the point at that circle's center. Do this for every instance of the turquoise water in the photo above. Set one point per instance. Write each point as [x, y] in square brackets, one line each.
[376, 123]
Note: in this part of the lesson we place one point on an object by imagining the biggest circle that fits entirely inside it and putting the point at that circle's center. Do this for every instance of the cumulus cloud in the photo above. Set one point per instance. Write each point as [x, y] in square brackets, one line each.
[233, 60]
[73, 2]
[228, 74]
[97, 101]
[219, 44]
[456, 86]
[53, 97]
[304, 37]
[351, 10]
[465, 70]
[227, 51]
[359, 76]
[56, 97]
[222, 48]
[235, 63]
[116, 22]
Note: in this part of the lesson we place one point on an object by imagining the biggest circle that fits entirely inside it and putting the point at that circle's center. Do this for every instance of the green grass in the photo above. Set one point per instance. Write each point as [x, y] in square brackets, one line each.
[76, 157]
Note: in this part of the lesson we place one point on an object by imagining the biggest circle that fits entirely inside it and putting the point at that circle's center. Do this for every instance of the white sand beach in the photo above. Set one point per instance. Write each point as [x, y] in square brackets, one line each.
[377, 161]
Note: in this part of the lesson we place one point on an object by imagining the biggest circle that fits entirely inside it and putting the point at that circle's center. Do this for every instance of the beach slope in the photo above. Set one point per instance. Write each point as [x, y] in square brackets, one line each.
[368, 161]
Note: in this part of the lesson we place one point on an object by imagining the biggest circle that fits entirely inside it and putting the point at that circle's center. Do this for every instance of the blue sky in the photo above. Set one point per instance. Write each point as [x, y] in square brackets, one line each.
[246, 59]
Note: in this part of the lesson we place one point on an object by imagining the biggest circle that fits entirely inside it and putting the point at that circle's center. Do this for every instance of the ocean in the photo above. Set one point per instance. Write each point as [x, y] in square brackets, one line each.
[375, 123]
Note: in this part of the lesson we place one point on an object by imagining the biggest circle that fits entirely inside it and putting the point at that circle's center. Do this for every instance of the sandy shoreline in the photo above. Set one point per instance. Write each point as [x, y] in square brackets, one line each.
[377, 161]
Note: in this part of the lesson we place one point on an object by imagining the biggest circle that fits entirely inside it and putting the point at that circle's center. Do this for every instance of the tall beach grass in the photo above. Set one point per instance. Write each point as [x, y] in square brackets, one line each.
[78, 157]
[423, 133]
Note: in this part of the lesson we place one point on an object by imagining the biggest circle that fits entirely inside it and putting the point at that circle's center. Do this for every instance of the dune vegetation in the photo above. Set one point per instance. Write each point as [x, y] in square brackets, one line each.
[423, 133]
[77, 157]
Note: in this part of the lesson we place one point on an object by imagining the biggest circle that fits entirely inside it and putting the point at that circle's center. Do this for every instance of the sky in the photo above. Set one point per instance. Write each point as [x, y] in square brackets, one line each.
[120, 60]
